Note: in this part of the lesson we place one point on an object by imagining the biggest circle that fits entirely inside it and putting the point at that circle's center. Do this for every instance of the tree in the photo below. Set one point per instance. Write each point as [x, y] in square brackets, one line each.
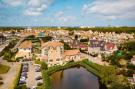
[44, 66]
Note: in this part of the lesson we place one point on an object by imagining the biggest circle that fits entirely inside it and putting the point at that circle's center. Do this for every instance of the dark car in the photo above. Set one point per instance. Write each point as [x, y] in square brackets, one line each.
[37, 70]
[38, 78]
[39, 83]
[25, 64]
[22, 82]
[24, 70]
[24, 73]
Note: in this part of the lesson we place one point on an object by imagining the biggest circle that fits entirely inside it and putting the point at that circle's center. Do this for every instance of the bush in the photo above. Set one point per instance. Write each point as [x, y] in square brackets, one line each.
[38, 61]
[44, 66]
[22, 87]
[131, 66]
[16, 81]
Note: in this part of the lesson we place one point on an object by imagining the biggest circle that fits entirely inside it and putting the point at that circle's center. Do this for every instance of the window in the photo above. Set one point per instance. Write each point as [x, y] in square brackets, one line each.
[50, 60]
[45, 53]
[58, 59]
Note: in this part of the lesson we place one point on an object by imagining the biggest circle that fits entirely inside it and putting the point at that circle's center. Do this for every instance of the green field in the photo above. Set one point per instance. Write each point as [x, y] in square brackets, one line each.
[4, 69]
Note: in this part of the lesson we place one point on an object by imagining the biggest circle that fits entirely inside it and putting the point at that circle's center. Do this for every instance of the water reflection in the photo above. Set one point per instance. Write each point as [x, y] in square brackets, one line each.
[74, 78]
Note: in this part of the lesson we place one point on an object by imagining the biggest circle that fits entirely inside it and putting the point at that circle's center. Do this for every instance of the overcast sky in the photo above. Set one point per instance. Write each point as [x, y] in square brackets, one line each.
[67, 12]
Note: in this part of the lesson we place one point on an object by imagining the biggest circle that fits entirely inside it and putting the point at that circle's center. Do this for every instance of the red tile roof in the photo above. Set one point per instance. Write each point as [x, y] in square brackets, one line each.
[25, 44]
[71, 52]
[52, 44]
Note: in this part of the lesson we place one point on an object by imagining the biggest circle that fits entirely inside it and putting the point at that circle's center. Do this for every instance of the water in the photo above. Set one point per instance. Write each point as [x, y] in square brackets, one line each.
[74, 78]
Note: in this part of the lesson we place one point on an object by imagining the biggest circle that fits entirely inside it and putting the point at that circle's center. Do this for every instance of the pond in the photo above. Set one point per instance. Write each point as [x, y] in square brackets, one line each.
[74, 78]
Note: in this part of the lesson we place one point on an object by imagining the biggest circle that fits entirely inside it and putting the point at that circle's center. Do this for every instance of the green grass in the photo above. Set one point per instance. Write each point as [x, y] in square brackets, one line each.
[4, 69]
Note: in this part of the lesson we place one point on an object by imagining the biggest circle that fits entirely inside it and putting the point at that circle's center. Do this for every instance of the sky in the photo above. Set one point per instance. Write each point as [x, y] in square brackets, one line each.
[67, 12]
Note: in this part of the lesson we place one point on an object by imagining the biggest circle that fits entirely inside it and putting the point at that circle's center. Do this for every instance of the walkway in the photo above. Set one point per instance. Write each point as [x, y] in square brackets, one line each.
[94, 59]
[9, 77]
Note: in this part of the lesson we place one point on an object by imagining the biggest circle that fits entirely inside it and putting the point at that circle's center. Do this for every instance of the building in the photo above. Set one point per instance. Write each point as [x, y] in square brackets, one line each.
[98, 47]
[71, 55]
[133, 60]
[41, 35]
[2, 39]
[24, 50]
[53, 53]
[95, 46]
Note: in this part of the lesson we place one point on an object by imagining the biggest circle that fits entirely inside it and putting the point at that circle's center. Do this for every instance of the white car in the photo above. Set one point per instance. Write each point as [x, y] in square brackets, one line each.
[22, 78]
[34, 87]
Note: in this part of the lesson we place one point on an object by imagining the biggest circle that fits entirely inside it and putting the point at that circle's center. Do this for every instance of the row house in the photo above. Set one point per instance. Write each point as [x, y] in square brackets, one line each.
[78, 45]
[97, 47]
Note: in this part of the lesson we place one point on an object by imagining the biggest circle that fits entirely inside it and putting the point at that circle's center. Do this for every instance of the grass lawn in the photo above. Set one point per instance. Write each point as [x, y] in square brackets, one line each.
[4, 69]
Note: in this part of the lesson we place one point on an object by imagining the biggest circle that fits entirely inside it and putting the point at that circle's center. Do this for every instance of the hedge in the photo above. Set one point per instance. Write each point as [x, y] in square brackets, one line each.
[17, 78]
[46, 74]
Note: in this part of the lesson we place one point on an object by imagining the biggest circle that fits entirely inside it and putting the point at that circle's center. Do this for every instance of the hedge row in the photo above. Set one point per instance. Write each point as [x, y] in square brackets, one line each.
[46, 74]
[17, 78]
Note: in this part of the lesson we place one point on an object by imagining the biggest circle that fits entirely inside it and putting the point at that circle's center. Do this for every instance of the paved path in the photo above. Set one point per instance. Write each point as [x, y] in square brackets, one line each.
[9, 77]
[94, 59]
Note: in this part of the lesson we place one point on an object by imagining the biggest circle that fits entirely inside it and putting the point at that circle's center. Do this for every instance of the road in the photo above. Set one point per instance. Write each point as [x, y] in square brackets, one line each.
[3, 46]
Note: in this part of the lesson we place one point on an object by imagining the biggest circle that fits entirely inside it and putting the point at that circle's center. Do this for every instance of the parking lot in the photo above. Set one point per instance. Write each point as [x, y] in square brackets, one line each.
[31, 75]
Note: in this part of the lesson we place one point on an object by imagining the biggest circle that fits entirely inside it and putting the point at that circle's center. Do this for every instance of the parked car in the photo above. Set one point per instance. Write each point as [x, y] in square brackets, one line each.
[37, 70]
[39, 83]
[23, 78]
[24, 73]
[22, 82]
[24, 70]
[25, 64]
[28, 87]
[38, 78]
[34, 87]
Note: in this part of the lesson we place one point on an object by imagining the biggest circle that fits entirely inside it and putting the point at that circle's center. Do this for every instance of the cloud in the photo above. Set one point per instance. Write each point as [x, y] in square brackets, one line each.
[111, 9]
[62, 17]
[13, 2]
[37, 7]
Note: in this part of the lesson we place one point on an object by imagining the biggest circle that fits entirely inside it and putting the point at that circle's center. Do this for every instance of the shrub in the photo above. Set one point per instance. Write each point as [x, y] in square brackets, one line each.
[16, 81]
[44, 66]
[22, 87]
[38, 61]
[131, 66]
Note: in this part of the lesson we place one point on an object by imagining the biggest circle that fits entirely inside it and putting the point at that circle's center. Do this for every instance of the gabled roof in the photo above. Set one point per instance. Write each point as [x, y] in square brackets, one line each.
[52, 44]
[25, 44]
